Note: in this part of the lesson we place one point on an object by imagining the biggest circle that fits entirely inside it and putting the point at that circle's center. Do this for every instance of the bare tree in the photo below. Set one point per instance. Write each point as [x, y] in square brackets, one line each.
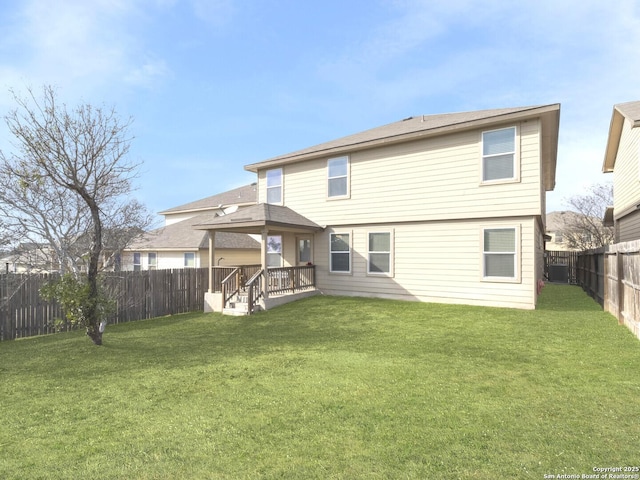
[584, 229]
[68, 183]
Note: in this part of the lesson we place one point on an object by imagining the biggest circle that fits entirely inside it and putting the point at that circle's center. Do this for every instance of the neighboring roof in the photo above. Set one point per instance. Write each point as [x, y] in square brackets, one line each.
[182, 236]
[557, 220]
[423, 126]
[245, 195]
[254, 218]
[629, 111]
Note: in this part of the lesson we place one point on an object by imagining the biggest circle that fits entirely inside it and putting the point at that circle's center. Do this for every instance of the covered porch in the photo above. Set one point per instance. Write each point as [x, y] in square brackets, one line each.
[286, 272]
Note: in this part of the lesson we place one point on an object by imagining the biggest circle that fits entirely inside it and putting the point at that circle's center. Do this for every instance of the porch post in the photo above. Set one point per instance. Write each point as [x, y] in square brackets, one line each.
[263, 260]
[212, 256]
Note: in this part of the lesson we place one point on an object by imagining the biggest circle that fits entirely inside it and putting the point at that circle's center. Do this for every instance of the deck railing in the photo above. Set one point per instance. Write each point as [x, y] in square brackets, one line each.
[291, 279]
[254, 291]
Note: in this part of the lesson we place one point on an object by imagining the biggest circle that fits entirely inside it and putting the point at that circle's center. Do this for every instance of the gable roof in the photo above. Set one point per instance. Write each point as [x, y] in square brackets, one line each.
[182, 236]
[424, 126]
[629, 111]
[256, 217]
[245, 195]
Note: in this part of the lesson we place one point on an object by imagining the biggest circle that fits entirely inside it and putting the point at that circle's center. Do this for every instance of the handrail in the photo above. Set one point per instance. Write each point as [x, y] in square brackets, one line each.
[253, 284]
[231, 284]
[291, 279]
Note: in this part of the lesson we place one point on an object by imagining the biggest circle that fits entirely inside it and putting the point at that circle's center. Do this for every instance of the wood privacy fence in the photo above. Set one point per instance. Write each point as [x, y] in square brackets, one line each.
[561, 266]
[138, 296]
[611, 275]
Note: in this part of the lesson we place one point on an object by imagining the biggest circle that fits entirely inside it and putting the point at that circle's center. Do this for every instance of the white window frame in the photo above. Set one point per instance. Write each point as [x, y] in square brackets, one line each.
[137, 264]
[349, 252]
[279, 254]
[517, 255]
[154, 265]
[191, 254]
[390, 252]
[515, 153]
[273, 187]
[347, 176]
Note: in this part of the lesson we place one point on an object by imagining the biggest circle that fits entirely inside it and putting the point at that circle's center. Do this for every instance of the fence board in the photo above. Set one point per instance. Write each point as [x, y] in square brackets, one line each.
[137, 296]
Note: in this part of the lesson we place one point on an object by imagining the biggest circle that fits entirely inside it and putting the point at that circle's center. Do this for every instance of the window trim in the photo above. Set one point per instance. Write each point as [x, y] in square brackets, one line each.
[517, 255]
[281, 256]
[139, 263]
[154, 265]
[280, 186]
[349, 252]
[391, 253]
[184, 257]
[347, 176]
[516, 157]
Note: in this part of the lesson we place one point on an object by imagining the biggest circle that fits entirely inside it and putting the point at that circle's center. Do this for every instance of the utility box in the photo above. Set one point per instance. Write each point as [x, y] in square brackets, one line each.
[559, 273]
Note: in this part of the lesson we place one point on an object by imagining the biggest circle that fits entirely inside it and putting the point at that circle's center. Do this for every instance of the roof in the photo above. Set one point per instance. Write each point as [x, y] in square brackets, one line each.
[622, 111]
[557, 220]
[182, 236]
[424, 126]
[254, 218]
[245, 195]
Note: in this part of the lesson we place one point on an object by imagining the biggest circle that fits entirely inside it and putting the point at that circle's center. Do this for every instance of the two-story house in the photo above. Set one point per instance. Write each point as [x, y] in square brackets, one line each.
[622, 158]
[438, 208]
[178, 245]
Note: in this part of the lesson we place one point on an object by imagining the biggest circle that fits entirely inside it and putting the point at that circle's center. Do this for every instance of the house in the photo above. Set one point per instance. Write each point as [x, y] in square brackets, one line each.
[622, 158]
[437, 208]
[178, 245]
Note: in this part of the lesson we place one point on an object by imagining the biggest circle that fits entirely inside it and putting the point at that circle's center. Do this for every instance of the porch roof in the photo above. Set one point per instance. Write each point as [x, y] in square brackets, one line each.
[253, 219]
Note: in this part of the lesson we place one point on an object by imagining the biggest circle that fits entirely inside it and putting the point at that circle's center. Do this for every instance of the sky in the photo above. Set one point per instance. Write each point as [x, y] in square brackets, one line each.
[214, 85]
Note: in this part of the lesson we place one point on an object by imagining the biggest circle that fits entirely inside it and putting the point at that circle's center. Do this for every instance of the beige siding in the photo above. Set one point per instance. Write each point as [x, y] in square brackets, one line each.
[434, 262]
[626, 175]
[629, 227]
[433, 179]
[175, 259]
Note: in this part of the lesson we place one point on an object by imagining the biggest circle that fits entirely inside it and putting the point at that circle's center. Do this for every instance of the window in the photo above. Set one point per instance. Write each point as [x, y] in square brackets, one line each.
[137, 266]
[340, 253]
[304, 251]
[338, 175]
[152, 259]
[499, 155]
[274, 186]
[274, 251]
[499, 253]
[559, 237]
[189, 259]
[380, 248]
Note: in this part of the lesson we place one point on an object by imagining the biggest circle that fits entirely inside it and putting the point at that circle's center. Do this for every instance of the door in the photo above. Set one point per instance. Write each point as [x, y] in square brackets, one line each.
[305, 250]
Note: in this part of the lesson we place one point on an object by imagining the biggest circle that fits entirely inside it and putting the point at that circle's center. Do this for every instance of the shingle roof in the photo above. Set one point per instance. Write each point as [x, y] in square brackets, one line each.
[244, 195]
[409, 129]
[257, 216]
[182, 235]
[621, 111]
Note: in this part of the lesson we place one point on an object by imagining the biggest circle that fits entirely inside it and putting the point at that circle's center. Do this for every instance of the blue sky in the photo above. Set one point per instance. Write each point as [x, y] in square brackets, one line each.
[215, 85]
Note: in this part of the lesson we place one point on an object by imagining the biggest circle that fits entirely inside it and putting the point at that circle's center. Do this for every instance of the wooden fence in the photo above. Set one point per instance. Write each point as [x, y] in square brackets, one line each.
[611, 275]
[566, 260]
[138, 296]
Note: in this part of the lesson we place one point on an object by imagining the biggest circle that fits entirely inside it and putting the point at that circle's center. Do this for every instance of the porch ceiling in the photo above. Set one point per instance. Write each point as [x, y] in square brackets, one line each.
[255, 218]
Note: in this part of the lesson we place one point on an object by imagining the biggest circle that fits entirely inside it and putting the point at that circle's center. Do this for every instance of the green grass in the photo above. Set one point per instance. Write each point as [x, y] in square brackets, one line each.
[328, 387]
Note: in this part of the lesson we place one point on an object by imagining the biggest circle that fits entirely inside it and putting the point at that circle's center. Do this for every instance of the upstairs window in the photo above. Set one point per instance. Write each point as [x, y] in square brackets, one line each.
[338, 177]
[499, 155]
[274, 186]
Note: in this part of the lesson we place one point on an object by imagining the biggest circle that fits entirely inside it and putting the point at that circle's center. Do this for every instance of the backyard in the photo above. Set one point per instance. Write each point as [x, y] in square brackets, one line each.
[329, 387]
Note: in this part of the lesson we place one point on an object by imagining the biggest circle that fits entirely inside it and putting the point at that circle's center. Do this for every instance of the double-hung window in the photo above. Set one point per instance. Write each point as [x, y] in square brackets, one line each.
[274, 251]
[137, 262]
[338, 177]
[152, 260]
[274, 186]
[340, 253]
[380, 260]
[189, 259]
[500, 253]
[499, 157]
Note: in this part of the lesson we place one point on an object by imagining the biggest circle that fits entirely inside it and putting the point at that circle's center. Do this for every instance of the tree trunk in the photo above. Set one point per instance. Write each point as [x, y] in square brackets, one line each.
[94, 333]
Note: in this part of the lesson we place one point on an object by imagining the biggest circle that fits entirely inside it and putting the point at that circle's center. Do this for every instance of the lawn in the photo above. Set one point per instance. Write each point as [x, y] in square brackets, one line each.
[329, 387]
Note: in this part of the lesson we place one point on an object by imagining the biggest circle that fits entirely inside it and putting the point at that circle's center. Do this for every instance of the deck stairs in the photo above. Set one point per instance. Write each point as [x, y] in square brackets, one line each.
[239, 305]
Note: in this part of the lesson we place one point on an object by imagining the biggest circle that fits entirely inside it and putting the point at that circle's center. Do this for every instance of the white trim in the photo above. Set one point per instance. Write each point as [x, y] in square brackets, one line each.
[516, 157]
[349, 252]
[347, 176]
[391, 253]
[184, 259]
[517, 267]
[280, 186]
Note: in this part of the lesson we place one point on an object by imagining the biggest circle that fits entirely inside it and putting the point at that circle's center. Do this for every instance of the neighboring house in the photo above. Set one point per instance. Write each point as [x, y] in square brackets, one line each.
[568, 228]
[178, 245]
[29, 258]
[622, 157]
[554, 228]
[438, 208]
